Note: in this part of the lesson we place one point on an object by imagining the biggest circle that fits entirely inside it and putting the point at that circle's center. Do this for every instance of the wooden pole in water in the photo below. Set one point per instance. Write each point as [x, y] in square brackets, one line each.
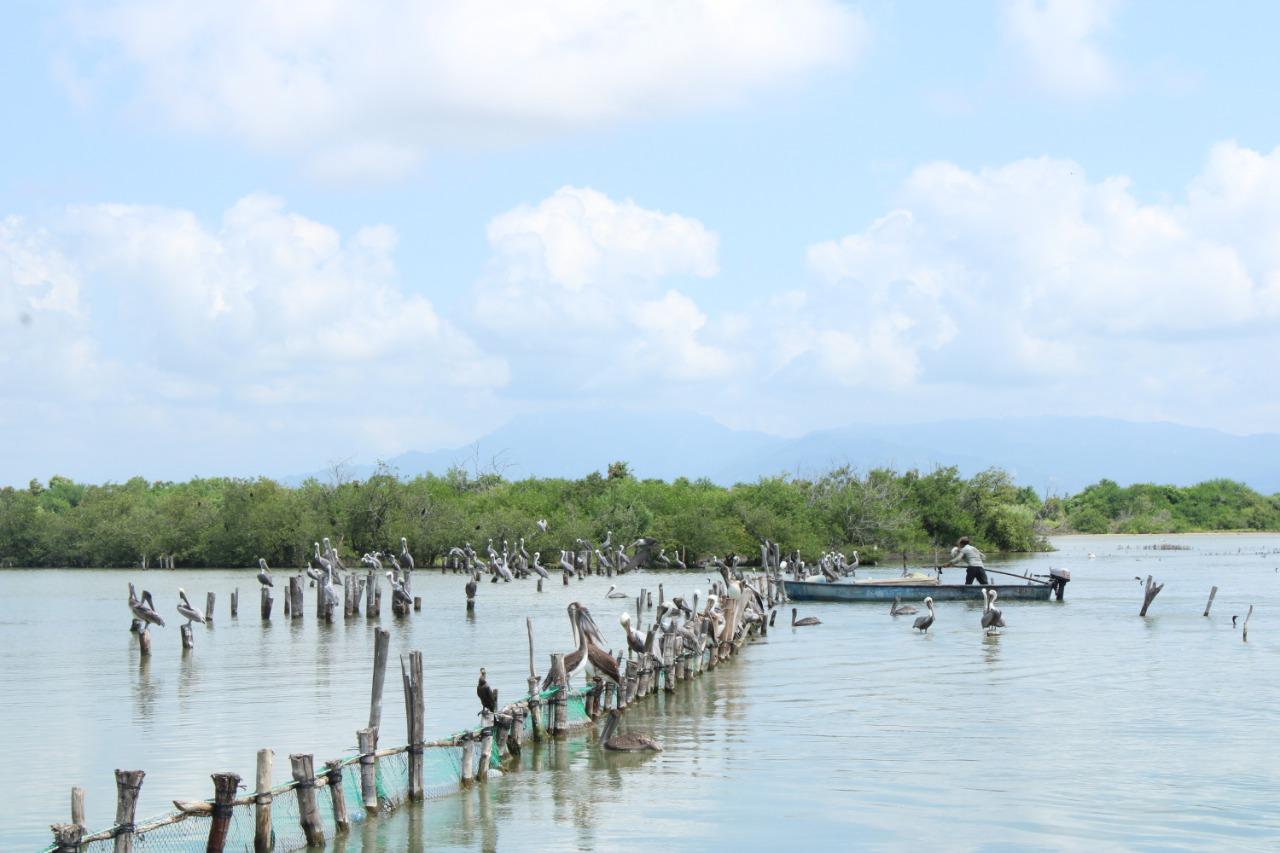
[368, 744]
[208, 608]
[381, 642]
[1244, 634]
[468, 758]
[1149, 594]
[303, 768]
[370, 584]
[188, 639]
[337, 796]
[558, 722]
[224, 791]
[235, 602]
[144, 640]
[417, 602]
[295, 593]
[128, 784]
[66, 837]
[1212, 592]
[288, 597]
[77, 808]
[411, 674]
[486, 744]
[262, 803]
[266, 602]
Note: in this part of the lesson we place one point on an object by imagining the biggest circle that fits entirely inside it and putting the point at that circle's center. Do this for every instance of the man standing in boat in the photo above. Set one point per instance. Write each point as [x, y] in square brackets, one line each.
[971, 558]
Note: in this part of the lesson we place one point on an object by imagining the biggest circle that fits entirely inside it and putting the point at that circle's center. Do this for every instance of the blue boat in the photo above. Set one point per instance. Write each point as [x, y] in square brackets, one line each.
[1033, 589]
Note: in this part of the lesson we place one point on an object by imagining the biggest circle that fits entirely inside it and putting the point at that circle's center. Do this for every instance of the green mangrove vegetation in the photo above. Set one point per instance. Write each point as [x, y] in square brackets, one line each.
[231, 522]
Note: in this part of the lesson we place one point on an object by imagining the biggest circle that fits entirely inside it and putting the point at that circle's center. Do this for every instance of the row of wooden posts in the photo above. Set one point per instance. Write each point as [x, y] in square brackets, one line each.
[1151, 589]
[503, 732]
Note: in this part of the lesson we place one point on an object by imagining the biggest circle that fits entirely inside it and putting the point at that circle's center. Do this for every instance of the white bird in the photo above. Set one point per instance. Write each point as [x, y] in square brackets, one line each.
[264, 577]
[191, 614]
[405, 556]
[542, 525]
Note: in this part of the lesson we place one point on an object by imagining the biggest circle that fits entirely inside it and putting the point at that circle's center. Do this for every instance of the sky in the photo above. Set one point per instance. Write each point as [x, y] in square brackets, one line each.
[261, 236]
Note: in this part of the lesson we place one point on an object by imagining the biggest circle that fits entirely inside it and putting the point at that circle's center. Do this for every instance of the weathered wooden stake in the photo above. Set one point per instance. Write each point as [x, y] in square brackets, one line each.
[560, 710]
[411, 674]
[370, 585]
[468, 759]
[417, 602]
[188, 639]
[1212, 592]
[144, 641]
[303, 768]
[224, 791]
[235, 602]
[539, 584]
[486, 744]
[77, 808]
[1244, 634]
[262, 802]
[66, 837]
[288, 598]
[208, 608]
[381, 642]
[128, 784]
[1149, 594]
[296, 605]
[337, 796]
[266, 602]
[368, 744]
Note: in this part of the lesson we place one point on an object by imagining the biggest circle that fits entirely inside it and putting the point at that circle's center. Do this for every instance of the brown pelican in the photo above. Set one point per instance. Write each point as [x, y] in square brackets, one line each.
[992, 617]
[405, 556]
[191, 614]
[808, 620]
[612, 594]
[626, 742]
[398, 592]
[144, 608]
[471, 587]
[922, 623]
[536, 565]
[635, 640]
[589, 650]
[900, 609]
[264, 577]
[488, 696]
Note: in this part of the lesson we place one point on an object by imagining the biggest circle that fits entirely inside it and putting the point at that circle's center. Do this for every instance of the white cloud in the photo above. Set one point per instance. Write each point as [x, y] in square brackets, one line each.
[1058, 41]
[268, 314]
[366, 87]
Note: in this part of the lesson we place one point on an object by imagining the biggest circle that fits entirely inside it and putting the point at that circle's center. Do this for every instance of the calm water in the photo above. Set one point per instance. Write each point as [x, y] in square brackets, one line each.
[1081, 727]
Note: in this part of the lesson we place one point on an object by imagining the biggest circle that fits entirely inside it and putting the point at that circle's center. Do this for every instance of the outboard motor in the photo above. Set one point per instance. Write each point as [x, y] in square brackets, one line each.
[1058, 580]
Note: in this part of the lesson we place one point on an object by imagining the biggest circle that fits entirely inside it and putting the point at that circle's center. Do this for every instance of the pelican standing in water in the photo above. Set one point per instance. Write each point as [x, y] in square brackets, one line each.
[615, 594]
[900, 609]
[922, 623]
[992, 617]
[627, 741]
[808, 620]
[191, 614]
[264, 576]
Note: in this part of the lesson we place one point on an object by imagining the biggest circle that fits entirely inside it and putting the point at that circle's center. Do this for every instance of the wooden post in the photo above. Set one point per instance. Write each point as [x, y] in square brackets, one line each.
[66, 837]
[288, 597]
[208, 608]
[539, 584]
[381, 642]
[308, 815]
[533, 676]
[319, 600]
[1212, 592]
[1149, 594]
[371, 584]
[417, 602]
[468, 758]
[295, 597]
[188, 639]
[144, 640]
[610, 689]
[1244, 634]
[486, 744]
[347, 592]
[411, 674]
[265, 604]
[377, 600]
[368, 741]
[77, 808]
[128, 784]
[262, 802]
[515, 741]
[535, 724]
[559, 701]
[333, 774]
[235, 602]
[224, 791]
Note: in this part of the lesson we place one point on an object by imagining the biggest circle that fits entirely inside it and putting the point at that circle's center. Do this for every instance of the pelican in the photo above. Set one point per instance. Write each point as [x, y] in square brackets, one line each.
[537, 567]
[992, 618]
[144, 609]
[900, 609]
[185, 609]
[808, 620]
[612, 594]
[405, 556]
[264, 577]
[488, 696]
[1092, 556]
[922, 623]
[398, 592]
[627, 742]
[471, 587]
[542, 524]
[635, 640]
[662, 557]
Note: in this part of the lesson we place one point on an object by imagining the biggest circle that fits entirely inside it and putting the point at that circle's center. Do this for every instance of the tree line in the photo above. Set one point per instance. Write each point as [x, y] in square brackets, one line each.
[882, 513]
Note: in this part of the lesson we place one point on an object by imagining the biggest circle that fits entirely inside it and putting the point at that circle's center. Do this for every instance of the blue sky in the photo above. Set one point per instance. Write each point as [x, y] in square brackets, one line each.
[256, 237]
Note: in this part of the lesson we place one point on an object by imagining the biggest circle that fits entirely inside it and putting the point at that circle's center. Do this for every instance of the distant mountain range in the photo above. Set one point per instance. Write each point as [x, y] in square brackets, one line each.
[1057, 454]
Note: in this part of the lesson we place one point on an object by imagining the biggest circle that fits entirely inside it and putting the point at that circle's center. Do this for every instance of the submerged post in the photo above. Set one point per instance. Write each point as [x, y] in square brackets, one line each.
[468, 758]
[1244, 634]
[1212, 592]
[295, 597]
[262, 803]
[1149, 594]
[66, 837]
[265, 604]
[224, 791]
[208, 608]
[337, 796]
[381, 642]
[559, 702]
[235, 602]
[371, 584]
[486, 744]
[411, 674]
[188, 639]
[77, 808]
[368, 741]
[303, 768]
[128, 784]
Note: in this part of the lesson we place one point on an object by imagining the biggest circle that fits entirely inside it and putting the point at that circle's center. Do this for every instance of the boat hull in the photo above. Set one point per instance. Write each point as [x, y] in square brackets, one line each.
[808, 591]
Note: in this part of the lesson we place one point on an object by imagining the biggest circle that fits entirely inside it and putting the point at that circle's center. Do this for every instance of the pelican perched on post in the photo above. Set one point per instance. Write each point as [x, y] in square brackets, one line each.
[144, 609]
[398, 592]
[992, 617]
[614, 592]
[900, 609]
[405, 557]
[626, 742]
[185, 610]
[922, 623]
[635, 640]
[264, 576]
[808, 620]
[536, 565]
